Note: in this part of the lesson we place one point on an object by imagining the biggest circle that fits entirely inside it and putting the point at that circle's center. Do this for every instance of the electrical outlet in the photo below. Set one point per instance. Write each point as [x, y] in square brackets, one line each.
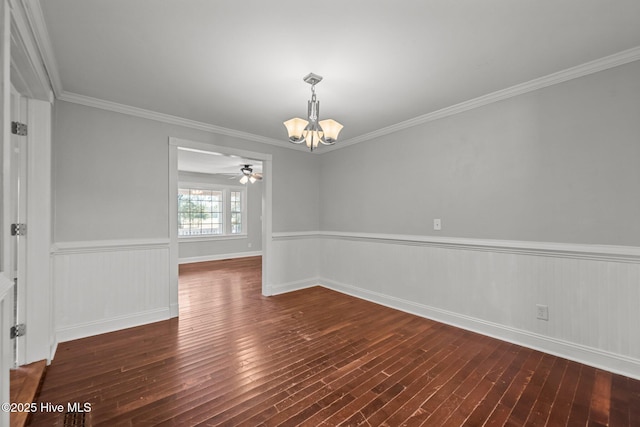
[543, 311]
[249, 245]
[437, 224]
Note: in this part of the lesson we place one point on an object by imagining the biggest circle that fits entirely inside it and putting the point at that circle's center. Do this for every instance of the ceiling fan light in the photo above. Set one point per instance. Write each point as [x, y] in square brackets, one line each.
[252, 179]
[331, 130]
[244, 179]
[295, 128]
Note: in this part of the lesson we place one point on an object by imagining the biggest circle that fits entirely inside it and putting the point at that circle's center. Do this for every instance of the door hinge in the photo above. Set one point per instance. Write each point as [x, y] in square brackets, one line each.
[18, 128]
[18, 229]
[18, 330]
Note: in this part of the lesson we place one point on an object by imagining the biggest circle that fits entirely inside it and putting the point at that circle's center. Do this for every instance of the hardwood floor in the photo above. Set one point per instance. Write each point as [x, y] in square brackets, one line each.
[25, 382]
[318, 358]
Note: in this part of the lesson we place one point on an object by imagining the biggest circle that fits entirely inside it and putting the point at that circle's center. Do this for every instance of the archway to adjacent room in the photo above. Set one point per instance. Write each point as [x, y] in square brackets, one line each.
[175, 145]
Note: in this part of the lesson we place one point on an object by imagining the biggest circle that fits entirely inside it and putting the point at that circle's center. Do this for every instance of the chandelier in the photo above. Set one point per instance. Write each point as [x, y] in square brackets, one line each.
[313, 132]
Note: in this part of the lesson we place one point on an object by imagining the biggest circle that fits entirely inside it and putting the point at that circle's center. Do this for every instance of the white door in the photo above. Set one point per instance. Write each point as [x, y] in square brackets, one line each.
[17, 255]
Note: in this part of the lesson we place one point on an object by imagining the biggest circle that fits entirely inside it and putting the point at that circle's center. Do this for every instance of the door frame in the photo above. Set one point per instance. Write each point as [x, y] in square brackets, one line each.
[267, 167]
[6, 284]
[19, 152]
[21, 65]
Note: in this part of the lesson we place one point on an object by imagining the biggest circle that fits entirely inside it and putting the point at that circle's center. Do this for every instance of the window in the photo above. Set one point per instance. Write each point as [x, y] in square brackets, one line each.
[199, 212]
[236, 212]
[207, 211]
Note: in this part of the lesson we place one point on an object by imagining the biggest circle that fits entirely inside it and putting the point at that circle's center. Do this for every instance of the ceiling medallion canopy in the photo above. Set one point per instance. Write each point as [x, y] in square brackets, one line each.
[313, 132]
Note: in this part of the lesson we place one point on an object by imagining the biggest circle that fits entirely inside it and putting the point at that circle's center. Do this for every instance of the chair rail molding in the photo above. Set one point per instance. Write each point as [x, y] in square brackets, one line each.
[554, 249]
[60, 248]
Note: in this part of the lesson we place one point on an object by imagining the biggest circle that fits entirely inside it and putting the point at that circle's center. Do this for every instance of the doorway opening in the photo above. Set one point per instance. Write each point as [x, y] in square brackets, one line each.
[213, 214]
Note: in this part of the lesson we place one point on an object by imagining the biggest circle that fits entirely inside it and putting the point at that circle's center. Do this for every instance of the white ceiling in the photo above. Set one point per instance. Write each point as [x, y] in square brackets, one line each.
[239, 64]
[213, 163]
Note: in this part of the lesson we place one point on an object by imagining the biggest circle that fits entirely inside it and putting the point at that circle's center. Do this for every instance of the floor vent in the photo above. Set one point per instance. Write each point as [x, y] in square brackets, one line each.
[74, 419]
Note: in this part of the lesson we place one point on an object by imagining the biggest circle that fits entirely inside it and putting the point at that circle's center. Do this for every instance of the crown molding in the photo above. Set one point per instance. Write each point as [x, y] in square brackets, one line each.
[166, 118]
[26, 62]
[611, 61]
[39, 28]
[35, 18]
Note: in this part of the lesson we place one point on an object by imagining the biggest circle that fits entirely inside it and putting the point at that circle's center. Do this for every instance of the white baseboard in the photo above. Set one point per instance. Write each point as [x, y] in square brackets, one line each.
[586, 355]
[218, 257]
[297, 285]
[110, 325]
[174, 310]
[52, 353]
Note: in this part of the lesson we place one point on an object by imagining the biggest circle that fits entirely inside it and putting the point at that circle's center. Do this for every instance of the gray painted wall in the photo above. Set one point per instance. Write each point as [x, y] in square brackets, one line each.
[556, 165]
[110, 176]
[212, 247]
[561, 164]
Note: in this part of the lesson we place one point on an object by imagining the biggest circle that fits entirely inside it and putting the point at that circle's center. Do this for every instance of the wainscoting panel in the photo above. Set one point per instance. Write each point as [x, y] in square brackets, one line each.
[294, 260]
[592, 293]
[104, 286]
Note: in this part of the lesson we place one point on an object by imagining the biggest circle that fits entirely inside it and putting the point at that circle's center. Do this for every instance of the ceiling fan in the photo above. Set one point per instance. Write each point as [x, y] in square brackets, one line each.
[247, 175]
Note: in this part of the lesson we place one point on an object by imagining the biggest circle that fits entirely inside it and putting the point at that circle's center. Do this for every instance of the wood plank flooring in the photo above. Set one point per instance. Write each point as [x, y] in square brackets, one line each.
[25, 382]
[318, 358]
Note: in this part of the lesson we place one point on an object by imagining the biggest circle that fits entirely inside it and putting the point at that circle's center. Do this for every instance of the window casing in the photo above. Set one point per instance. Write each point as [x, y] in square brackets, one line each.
[211, 211]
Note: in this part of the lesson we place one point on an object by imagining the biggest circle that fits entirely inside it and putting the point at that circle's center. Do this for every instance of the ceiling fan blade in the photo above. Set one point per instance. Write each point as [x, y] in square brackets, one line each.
[257, 176]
